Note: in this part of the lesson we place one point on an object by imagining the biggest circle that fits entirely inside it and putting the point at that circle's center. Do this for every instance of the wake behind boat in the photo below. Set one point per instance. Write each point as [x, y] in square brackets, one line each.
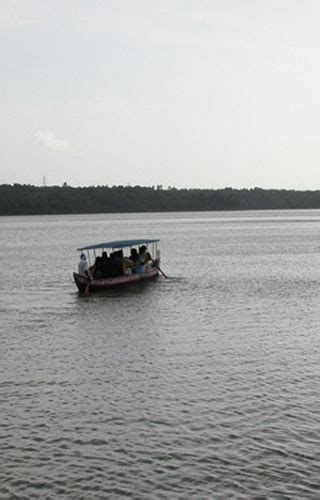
[129, 262]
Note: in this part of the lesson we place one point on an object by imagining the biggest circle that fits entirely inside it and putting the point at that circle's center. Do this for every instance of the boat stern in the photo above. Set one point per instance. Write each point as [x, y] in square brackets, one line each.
[80, 281]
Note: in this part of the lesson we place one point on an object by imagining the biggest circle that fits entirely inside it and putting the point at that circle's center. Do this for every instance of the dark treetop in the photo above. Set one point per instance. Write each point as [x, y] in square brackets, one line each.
[24, 199]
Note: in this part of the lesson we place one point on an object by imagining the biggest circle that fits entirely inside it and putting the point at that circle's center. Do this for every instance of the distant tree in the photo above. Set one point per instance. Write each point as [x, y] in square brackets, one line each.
[26, 199]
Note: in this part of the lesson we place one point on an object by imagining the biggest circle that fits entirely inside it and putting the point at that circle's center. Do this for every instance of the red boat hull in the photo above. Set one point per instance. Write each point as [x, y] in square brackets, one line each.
[120, 281]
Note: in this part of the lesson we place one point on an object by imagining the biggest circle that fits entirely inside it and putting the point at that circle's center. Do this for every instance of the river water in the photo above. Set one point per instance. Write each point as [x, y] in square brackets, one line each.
[202, 385]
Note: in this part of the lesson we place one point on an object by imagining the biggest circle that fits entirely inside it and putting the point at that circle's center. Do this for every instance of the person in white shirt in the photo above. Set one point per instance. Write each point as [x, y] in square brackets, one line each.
[83, 267]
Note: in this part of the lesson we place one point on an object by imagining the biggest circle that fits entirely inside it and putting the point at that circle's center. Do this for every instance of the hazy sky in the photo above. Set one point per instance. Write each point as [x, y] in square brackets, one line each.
[187, 93]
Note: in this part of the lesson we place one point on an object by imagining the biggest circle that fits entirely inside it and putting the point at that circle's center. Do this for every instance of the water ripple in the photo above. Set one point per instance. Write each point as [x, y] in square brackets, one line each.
[205, 385]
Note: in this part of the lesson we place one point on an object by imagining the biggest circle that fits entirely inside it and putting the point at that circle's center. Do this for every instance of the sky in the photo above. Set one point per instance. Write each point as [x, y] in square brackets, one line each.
[184, 93]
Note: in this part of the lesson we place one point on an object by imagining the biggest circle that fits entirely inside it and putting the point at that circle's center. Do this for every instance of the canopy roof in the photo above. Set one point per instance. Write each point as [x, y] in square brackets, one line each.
[117, 244]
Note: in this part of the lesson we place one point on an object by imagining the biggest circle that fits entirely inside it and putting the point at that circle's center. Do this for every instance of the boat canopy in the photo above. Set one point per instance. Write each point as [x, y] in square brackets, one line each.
[117, 244]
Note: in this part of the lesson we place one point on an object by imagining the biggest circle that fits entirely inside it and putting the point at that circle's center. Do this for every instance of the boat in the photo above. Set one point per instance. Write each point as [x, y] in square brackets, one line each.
[126, 273]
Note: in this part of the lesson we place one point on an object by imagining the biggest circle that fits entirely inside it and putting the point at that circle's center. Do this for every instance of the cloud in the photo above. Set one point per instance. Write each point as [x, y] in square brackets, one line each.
[16, 15]
[49, 141]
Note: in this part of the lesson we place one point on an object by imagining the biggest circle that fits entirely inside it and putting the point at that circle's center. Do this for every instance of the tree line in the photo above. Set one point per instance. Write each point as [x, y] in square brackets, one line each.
[25, 199]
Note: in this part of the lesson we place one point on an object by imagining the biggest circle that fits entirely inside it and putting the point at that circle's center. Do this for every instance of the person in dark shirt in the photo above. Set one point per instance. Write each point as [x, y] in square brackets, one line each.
[118, 262]
[98, 268]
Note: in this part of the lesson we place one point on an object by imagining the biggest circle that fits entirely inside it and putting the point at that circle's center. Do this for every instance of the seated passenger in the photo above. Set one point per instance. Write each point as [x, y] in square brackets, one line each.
[118, 262]
[134, 257]
[104, 265]
[127, 265]
[144, 256]
[107, 267]
[110, 267]
[115, 264]
[98, 268]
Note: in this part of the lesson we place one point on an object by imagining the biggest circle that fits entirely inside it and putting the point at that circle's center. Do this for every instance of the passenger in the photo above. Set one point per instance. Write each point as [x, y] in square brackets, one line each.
[98, 268]
[134, 257]
[83, 267]
[118, 263]
[111, 268]
[144, 256]
[107, 266]
[127, 265]
[115, 265]
[104, 265]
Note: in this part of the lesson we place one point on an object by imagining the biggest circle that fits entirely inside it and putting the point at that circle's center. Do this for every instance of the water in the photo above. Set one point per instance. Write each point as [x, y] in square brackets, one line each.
[204, 385]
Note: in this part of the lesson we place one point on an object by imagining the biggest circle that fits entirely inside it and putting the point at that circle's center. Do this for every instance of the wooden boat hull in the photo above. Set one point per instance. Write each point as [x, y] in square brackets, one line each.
[120, 281]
